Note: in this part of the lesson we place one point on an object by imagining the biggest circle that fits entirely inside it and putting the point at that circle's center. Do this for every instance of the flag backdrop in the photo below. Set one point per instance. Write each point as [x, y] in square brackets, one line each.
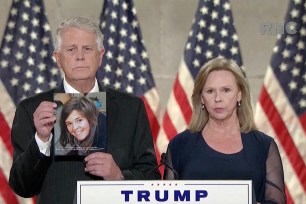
[281, 108]
[212, 34]
[26, 68]
[125, 65]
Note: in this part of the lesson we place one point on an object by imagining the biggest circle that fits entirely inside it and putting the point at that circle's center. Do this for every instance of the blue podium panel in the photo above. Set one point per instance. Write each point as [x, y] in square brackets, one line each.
[162, 191]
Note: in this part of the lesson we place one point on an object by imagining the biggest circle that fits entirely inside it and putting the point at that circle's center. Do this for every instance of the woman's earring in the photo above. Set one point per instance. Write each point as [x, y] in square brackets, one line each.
[203, 106]
[239, 104]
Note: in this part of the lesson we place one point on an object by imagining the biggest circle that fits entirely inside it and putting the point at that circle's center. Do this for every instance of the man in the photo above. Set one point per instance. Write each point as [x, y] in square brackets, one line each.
[129, 151]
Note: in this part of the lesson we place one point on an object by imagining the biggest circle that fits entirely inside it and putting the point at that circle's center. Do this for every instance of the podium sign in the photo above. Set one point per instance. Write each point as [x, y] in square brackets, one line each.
[165, 191]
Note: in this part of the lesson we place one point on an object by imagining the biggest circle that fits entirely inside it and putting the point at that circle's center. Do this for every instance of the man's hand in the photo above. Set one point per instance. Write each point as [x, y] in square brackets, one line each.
[103, 165]
[44, 119]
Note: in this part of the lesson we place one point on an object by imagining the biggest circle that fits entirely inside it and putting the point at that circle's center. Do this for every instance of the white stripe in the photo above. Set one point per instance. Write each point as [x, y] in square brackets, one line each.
[7, 106]
[5, 159]
[186, 80]
[153, 100]
[292, 181]
[162, 141]
[287, 113]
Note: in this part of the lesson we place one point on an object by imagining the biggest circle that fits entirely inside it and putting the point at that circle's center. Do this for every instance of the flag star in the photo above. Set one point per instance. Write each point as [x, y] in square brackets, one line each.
[235, 37]
[38, 90]
[117, 85]
[214, 15]
[142, 81]
[227, 6]
[21, 42]
[298, 58]
[8, 37]
[288, 40]
[134, 11]
[130, 76]
[26, 87]
[115, 2]
[304, 77]
[303, 31]
[45, 40]
[295, 72]
[43, 53]
[122, 45]
[36, 9]
[216, 2]
[124, 19]
[196, 63]
[303, 90]
[302, 103]
[106, 81]
[275, 49]
[292, 85]
[123, 32]
[198, 49]
[33, 35]
[300, 45]
[40, 79]
[107, 68]
[143, 68]
[29, 74]
[129, 89]
[210, 41]
[27, 4]
[19, 55]
[234, 50]
[134, 37]
[119, 72]
[132, 50]
[6, 50]
[11, 24]
[4, 63]
[32, 48]
[30, 61]
[190, 33]
[212, 28]
[109, 54]
[46, 27]
[304, 18]
[14, 82]
[144, 54]
[132, 63]
[188, 46]
[124, 6]
[120, 59]
[224, 32]
[16, 69]
[52, 84]
[208, 54]
[110, 41]
[23, 29]
[42, 66]
[14, 12]
[222, 45]
[204, 10]
[54, 71]
[25, 17]
[135, 24]
[297, 1]
[286, 53]
[114, 15]
[200, 36]
[283, 67]
[294, 13]
[225, 19]
[202, 23]
[112, 28]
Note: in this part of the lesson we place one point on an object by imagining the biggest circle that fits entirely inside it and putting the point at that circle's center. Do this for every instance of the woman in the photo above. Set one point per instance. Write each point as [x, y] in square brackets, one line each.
[222, 142]
[82, 126]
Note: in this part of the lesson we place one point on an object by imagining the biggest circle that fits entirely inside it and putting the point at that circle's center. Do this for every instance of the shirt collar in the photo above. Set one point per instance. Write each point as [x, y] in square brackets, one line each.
[70, 89]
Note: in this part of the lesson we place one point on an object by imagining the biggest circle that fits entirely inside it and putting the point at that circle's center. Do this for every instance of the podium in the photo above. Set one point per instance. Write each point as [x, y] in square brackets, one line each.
[165, 191]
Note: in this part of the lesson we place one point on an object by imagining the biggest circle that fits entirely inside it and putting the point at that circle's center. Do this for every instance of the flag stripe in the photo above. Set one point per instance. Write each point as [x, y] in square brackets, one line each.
[6, 191]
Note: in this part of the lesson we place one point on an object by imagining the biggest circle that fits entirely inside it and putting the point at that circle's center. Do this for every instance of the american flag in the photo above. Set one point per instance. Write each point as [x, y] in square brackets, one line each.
[26, 68]
[212, 35]
[281, 108]
[125, 65]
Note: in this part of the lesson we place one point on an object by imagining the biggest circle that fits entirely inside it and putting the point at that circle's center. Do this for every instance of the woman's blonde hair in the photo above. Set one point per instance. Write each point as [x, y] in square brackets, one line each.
[200, 115]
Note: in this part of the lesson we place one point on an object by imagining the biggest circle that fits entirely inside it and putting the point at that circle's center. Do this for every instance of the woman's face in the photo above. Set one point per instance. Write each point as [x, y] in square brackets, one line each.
[220, 95]
[78, 125]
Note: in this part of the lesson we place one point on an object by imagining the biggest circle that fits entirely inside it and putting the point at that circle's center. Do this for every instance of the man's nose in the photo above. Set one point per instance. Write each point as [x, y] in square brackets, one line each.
[80, 54]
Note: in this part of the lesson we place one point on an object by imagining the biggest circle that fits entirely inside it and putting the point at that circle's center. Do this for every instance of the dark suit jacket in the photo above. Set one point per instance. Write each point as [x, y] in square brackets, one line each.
[129, 140]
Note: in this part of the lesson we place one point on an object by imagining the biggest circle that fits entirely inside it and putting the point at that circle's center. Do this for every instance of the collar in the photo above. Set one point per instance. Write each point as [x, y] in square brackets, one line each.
[70, 89]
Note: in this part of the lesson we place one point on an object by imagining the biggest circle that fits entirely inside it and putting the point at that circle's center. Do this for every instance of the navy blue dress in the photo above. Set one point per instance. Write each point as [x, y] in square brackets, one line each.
[193, 159]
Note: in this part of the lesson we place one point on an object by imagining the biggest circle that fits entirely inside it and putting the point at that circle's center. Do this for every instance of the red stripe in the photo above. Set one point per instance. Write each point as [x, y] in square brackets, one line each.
[302, 119]
[288, 196]
[182, 100]
[6, 192]
[284, 136]
[5, 134]
[168, 126]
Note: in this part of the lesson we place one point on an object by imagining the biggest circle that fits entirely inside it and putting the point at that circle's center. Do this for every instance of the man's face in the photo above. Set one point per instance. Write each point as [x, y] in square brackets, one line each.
[79, 56]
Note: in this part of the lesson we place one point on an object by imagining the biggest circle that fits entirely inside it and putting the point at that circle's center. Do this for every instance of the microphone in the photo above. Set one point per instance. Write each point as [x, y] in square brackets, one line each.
[163, 157]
